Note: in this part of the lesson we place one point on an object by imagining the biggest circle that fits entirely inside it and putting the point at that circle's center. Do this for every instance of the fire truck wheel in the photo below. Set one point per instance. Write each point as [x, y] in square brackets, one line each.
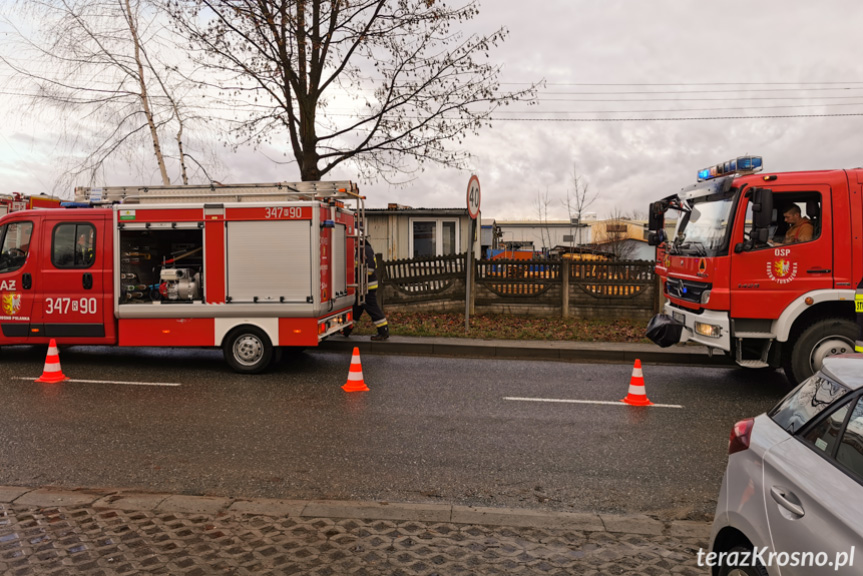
[248, 350]
[816, 342]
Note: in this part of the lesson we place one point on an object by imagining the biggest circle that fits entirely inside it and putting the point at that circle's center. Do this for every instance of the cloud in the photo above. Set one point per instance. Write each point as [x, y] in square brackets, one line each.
[574, 44]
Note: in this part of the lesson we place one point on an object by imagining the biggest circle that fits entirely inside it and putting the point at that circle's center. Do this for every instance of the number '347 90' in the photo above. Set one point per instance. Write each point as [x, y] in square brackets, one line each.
[67, 305]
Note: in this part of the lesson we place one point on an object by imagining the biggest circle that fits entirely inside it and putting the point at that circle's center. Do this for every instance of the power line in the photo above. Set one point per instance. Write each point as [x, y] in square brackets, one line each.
[674, 110]
[706, 91]
[676, 83]
[696, 99]
[763, 117]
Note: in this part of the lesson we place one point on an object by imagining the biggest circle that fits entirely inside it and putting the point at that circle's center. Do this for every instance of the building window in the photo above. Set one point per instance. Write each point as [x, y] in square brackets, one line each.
[434, 237]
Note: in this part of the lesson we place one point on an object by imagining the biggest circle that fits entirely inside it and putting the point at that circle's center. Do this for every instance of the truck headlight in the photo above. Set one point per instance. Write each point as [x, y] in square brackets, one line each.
[705, 297]
[708, 330]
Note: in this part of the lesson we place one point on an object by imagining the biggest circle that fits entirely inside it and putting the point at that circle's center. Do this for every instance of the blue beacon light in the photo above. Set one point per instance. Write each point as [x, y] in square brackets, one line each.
[743, 164]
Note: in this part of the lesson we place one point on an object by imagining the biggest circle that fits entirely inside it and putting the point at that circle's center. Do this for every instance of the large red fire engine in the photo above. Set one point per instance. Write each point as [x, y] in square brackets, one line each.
[736, 280]
[17, 201]
[250, 268]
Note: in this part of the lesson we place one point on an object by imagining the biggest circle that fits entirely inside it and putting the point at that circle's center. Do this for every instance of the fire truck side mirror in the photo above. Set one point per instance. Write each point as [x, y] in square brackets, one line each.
[762, 208]
[656, 238]
[656, 217]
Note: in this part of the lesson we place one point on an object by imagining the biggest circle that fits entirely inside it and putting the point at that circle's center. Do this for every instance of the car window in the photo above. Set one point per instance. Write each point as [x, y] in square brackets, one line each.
[796, 218]
[825, 434]
[805, 402]
[850, 451]
[16, 245]
[73, 245]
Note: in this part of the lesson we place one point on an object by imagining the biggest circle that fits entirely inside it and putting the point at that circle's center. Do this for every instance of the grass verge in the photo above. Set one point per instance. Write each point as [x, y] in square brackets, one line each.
[508, 327]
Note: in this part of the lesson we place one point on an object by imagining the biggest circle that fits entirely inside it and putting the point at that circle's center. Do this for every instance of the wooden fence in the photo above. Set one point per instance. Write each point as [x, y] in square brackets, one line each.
[531, 287]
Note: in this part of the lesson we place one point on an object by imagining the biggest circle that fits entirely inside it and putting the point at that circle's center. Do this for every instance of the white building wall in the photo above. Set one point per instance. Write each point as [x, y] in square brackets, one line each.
[546, 235]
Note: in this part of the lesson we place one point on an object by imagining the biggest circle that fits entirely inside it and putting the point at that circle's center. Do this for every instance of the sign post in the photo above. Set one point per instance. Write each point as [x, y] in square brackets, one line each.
[473, 198]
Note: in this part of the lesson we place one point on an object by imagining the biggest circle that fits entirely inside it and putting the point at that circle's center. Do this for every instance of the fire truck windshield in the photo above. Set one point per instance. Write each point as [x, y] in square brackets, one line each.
[703, 228]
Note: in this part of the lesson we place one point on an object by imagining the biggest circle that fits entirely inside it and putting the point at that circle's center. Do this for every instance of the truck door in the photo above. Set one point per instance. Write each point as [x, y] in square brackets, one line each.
[73, 298]
[18, 275]
[766, 279]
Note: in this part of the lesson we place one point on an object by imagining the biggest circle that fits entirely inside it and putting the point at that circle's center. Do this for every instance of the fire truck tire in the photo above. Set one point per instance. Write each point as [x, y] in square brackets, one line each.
[248, 350]
[816, 342]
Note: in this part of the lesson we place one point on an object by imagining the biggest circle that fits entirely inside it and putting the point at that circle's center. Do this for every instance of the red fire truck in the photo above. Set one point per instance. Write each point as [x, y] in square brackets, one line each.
[737, 281]
[17, 201]
[251, 268]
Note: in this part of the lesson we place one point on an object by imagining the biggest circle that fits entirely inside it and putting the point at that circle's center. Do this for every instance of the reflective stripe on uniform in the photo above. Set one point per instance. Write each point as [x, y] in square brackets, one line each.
[858, 307]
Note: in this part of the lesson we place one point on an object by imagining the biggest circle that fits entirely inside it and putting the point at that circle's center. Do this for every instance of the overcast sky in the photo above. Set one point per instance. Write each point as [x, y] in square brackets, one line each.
[737, 59]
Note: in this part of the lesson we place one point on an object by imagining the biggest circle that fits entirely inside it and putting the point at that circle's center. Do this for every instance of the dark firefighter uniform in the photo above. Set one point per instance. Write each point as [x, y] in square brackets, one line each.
[858, 306]
[371, 306]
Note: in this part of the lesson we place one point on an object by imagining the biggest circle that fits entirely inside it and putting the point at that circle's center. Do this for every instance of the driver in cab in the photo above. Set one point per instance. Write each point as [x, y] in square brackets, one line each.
[800, 228]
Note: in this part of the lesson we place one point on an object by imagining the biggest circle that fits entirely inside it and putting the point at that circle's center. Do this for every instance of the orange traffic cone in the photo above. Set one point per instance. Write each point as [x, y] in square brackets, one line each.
[355, 381]
[637, 395]
[52, 373]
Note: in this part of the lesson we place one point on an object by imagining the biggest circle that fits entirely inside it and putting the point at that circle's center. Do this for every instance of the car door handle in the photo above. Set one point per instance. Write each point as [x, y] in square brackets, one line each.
[87, 281]
[27, 281]
[781, 497]
[818, 271]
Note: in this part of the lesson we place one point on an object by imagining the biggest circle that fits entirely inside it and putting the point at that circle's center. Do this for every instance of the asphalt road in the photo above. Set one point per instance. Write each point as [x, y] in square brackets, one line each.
[429, 430]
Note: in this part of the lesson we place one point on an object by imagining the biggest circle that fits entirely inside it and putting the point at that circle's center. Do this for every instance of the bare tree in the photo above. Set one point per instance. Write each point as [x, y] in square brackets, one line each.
[385, 84]
[97, 64]
[542, 202]
[615, 236]
[578, 200]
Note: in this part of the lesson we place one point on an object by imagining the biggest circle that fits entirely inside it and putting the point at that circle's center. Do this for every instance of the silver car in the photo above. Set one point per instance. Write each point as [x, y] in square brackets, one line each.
[791, 502]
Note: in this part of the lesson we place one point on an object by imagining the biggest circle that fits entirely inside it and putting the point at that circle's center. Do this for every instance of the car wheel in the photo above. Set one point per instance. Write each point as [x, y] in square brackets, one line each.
[248, 350]
[757, 570]
[816, 342]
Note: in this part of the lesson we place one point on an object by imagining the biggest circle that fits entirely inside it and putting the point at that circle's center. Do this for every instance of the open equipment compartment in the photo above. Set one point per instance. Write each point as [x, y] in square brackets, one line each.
[159, 264]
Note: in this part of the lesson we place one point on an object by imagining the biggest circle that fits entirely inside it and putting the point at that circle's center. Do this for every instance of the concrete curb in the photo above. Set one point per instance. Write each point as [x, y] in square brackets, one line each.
[592, 352]
[130, 501]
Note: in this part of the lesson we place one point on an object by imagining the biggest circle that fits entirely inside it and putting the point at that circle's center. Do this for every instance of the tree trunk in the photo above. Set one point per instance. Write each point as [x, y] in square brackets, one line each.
[145, 99]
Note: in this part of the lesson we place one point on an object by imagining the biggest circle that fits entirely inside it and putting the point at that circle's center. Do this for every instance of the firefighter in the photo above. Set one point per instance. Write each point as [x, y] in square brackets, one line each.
[858, 306]
[85, 251]
[801, 229]
[371, 306]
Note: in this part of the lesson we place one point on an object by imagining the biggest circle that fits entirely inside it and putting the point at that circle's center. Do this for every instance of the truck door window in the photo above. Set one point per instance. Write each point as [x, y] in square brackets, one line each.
[73, 245]
[16, 245]
[796, 218]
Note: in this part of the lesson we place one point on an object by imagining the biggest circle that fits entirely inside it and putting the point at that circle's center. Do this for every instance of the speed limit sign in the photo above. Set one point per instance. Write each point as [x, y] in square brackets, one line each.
[473, 197]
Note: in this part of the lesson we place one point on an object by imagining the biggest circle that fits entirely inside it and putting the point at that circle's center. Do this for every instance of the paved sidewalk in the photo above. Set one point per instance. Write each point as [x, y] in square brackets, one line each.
[102, 532]
[608, 352]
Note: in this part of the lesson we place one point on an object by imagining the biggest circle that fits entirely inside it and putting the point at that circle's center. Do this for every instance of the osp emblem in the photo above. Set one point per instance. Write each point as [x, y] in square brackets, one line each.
[11, 303]
[782, 271]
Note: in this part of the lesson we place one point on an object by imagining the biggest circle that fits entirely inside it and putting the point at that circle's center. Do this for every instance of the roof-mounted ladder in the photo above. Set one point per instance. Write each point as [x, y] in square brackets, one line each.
[195, 193]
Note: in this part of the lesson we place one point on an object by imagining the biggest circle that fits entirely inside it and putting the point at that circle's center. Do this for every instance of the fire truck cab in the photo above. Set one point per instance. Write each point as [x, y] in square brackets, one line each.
[763, 266]
[250, 268]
